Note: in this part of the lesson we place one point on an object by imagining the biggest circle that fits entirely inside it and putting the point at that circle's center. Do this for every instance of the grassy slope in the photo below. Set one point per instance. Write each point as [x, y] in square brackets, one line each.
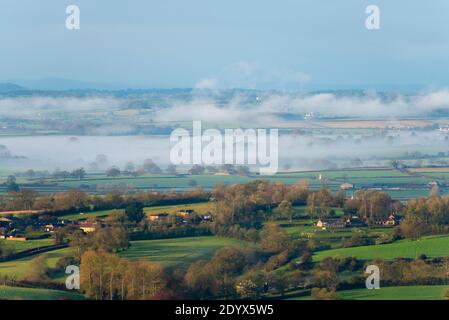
[21, 268]
[178, 252]
[13, 293]
[395, 293]
[18, 246]
[391, 293]
[435, 246]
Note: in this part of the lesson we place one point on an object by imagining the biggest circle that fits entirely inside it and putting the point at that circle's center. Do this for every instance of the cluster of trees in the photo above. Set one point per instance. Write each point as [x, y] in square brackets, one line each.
[319, 203]
[419, 271]
[247, 204]
[372, 206]
[107, 276]
[425, 216]
[247, 272]
[108, 239]
[327, 275]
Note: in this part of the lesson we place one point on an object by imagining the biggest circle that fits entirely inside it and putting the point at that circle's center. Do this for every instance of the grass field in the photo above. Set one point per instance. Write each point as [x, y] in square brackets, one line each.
[86, 215]
[391, 293]
[21, 268]
[395, 293]
[179, 252]
[14, 293]
[435, 246]
[200, 208]
[18, 246]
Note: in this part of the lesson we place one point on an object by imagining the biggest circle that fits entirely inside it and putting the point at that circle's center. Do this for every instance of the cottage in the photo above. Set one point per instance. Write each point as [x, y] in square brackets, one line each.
[185, 213]
[321, 223]
[391, 221]
[89, 226]
[326, 224]
[163, 216]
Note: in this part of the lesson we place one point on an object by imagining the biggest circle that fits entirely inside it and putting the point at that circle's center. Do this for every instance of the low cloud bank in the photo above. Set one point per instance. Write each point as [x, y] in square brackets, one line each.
[271, 106]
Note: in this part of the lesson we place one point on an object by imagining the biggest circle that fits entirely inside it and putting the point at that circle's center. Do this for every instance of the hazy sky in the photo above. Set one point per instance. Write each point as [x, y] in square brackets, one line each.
[294, 44]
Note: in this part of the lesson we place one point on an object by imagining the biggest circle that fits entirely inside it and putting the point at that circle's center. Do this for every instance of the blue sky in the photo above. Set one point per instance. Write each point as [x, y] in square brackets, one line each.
[294, 44]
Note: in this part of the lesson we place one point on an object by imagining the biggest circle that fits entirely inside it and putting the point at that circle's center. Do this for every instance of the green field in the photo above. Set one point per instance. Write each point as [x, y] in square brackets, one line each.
[21, 268]
[200, 208]
[178, 252]
[434, 246]
[18, 246]
[395, 293]
[391, 293]
[15, 293]
[86, 215]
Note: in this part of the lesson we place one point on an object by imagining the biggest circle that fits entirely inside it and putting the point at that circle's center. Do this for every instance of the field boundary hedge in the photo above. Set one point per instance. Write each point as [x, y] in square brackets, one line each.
[32, 252]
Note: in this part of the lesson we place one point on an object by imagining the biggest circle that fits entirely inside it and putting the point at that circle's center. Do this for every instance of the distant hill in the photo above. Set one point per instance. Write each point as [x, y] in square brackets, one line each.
[60, 84]
[9, 87]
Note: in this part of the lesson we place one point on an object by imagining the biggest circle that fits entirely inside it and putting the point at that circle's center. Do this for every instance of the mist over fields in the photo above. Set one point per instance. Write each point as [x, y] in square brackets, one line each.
[305, 152]
[237, 105]
[47, 130]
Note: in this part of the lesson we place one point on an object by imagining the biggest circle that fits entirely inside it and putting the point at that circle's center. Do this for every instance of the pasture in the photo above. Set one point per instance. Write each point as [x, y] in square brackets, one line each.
[180, 252]
[16, 293]
[433, 246]
[200, 208]
[390, 293]
[18, 246]
[20, 268]
[395, 293]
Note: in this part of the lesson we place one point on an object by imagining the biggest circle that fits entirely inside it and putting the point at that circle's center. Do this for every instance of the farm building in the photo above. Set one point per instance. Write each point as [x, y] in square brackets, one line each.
[326, 224]
[163, 216]
[185, 213]
[89, 226]
[391, 221]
